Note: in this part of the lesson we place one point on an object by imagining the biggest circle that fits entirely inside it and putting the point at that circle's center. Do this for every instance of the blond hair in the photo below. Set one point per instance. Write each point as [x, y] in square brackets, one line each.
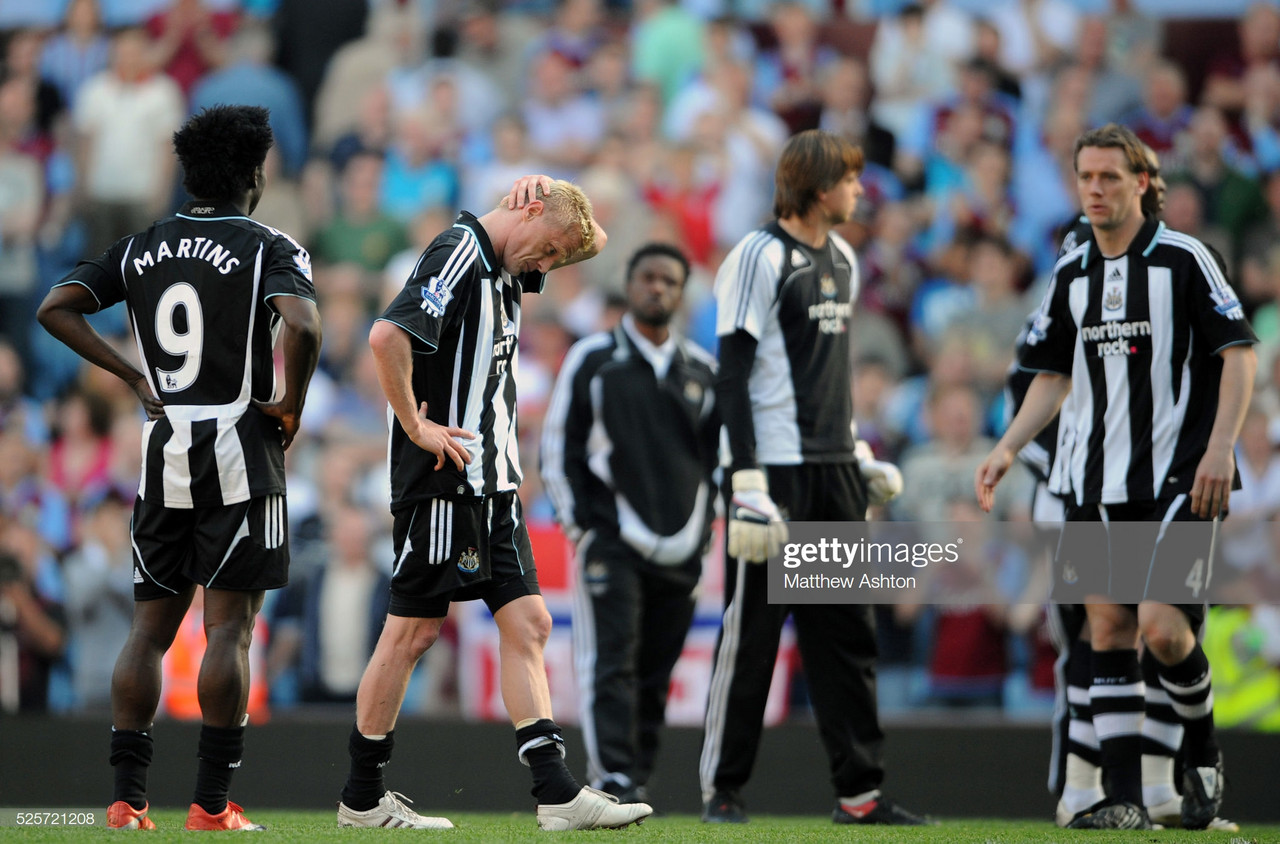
[569, 207]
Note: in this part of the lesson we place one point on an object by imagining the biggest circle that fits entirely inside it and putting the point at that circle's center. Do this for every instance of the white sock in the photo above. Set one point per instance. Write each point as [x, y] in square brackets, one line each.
[1157, 779]
[859, 799]
[1084, 785]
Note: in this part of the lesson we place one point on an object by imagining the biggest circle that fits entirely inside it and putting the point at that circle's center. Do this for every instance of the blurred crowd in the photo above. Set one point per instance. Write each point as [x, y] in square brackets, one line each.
[390, 115]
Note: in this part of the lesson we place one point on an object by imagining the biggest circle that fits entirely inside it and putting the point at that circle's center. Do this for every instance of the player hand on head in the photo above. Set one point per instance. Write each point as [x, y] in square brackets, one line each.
[152, 405]
[884, 480]
[439, 440]
[756, 528]
[524, 190]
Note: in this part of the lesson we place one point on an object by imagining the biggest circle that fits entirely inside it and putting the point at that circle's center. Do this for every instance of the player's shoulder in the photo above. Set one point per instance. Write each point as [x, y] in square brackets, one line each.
[843, 247]
[698, 355]
[1072, 260]
[590, 353]
[1190, 247]
[760, 244]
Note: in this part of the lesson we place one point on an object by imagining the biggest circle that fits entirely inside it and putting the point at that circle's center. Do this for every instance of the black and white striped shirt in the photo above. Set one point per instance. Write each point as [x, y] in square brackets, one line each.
[462, 313]
[797, 302]
[198, 286]
[1139, 334]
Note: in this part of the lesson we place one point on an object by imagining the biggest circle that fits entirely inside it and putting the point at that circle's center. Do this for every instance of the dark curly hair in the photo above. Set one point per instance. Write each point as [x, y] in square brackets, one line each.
[221, 149]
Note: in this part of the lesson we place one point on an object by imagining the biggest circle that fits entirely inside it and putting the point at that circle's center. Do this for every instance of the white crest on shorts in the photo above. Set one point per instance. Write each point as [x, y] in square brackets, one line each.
[469, 560]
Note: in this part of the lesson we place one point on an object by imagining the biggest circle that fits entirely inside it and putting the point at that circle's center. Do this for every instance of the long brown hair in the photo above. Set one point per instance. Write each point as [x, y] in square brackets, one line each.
[812, 162]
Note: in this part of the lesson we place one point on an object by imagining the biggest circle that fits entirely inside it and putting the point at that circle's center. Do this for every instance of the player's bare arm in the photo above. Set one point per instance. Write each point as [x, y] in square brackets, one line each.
[393, 359]
[62, 313]
[301, 346]
[1212, 487]
[1044, 399]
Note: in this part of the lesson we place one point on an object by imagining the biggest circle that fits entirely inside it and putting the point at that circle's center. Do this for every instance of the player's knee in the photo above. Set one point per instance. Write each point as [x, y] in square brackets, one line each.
[422, 640]
[530, 632]
[1169, 644]
[229, 635]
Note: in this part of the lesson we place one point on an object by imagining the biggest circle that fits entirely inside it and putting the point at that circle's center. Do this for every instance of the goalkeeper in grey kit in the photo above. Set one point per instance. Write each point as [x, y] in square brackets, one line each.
[784, 298]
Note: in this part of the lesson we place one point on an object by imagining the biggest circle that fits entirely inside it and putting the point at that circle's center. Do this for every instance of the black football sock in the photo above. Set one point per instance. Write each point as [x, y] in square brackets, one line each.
[220, 752]
[131, 752]
[541, 747]
[1117, 699]
[1190, 688]
[364, 786]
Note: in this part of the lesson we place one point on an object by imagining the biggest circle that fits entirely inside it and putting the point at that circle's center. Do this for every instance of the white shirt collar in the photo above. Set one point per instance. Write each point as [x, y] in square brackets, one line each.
[659, 357]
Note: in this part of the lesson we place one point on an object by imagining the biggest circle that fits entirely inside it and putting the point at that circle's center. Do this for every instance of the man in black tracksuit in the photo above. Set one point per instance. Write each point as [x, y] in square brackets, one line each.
[628, 451]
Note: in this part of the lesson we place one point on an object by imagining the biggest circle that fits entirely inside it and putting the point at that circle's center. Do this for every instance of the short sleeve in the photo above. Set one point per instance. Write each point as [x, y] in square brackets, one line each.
[1215, 309]
[435, 295]
[288, 270]
[101, 275]
[747, 285]
[1051, 338]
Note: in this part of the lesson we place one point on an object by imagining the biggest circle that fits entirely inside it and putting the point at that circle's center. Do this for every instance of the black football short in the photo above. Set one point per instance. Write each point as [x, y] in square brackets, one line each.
[460, 550]
[241, 547]
[1148, 550]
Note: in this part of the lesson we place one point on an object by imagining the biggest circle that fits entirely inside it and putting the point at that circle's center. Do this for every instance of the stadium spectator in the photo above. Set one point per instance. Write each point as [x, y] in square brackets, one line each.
[641, 523]
[415, 175]
[1165, 111]
[496, 39]
[99, 596]
[843, 110]
[542, 226]
[19, 414]
[22, 194]
[1114, 93]
[787, 75]
[308, 33]
[565, 125]
[991, 328]
[245, 76]
[73, 55]
[764, 291]
[935, 471]
[80, 454]
[360, 233]
[33, 634]
[1231, 200]
[125, 117]
[1034, 36]
[1225, 84]
[326, 623]
[915, 60]
[189, 39]
[22, 63]
[354, 82]
[667, 47]
[199, 520]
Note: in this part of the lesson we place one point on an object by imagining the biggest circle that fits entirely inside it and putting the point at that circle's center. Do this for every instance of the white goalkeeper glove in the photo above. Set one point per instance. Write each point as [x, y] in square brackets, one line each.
[884, 481]
[756, 528]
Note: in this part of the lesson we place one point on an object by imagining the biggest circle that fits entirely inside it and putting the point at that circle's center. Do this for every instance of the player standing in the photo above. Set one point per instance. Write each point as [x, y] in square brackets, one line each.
[628, 451]
[1155, 419]
[784, 299]
[206, 290]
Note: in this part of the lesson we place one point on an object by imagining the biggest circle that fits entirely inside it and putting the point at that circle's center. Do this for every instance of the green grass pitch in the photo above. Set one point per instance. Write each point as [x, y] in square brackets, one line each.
[673, 829]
